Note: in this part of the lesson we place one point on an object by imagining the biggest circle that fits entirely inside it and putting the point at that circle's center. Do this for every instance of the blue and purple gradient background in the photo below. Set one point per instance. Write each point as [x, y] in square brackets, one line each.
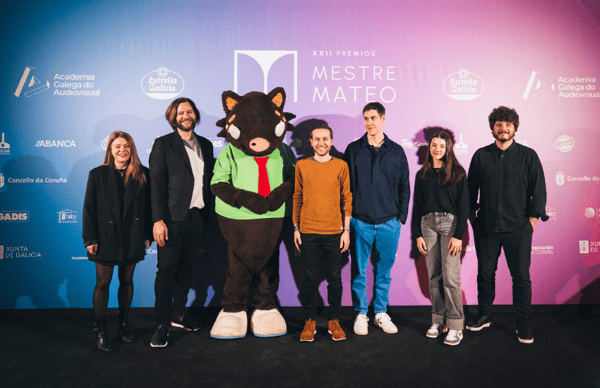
[502, 42]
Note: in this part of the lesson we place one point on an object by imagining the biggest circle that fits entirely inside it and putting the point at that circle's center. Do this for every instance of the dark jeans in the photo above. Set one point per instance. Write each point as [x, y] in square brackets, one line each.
[517, 250]
[329, 245]
[176, 264]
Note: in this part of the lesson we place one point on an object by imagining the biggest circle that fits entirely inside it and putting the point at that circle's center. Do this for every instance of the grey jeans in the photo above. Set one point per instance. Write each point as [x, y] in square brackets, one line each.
[443, 269]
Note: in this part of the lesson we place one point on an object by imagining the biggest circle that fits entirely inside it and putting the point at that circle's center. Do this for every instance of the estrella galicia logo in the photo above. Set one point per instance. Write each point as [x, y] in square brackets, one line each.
[265, 59]
[14, 216]
[34, 86]
[463, 85]
[162, 84]
[564, 143]
[560, 178]
[1, 180]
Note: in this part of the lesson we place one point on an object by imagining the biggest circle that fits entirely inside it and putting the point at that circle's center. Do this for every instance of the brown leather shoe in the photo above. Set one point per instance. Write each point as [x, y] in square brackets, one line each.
[337, 334]
[310, 329]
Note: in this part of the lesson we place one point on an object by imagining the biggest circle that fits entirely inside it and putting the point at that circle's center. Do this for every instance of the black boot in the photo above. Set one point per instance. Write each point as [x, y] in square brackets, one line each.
[101, 336]
[123, 333]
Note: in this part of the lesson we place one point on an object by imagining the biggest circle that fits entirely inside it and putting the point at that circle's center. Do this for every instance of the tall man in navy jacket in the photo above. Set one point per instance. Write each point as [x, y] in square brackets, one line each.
[181, 167]
[380, 194]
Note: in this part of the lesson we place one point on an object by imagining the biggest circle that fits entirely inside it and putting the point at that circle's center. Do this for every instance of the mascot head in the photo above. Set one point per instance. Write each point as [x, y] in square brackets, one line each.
[255, 123]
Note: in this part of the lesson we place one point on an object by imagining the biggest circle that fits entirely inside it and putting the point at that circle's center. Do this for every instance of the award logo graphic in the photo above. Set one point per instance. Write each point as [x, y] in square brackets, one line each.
[539, 90]
[265, 59]
[33, 87]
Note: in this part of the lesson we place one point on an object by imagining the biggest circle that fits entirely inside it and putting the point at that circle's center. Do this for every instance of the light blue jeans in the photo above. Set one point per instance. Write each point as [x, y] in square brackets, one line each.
[380, 243]
[443, 270]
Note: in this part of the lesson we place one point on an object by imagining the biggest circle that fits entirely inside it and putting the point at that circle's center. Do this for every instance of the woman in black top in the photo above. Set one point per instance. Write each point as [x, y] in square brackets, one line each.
[117, 229]
[441, 209]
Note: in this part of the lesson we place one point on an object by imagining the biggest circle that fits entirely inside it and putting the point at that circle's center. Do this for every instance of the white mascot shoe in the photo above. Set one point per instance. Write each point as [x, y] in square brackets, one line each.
[268, 323]
[230, 325]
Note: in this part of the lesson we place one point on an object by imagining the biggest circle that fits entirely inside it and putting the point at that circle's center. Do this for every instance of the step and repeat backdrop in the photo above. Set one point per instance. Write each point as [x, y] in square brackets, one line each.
[76, 71]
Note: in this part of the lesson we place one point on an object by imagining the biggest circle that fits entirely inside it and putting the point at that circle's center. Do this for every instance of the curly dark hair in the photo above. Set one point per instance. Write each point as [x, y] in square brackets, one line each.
[505, 114]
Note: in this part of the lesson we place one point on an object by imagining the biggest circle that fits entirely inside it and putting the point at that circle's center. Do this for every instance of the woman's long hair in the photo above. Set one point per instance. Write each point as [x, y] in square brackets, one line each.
[133, 165]
[451, 171]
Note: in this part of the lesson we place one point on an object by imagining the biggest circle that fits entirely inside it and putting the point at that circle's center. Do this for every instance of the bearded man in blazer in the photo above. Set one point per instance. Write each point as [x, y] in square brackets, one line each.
[181, 167]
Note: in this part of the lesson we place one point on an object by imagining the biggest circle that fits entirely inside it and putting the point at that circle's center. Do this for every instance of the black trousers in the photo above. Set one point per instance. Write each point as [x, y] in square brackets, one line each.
[517, 250]
[176, 264]
[329, 245]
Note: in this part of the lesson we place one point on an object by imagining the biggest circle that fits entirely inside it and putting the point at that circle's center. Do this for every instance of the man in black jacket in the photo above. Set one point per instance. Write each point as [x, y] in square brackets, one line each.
[508, 180]
[181, 165]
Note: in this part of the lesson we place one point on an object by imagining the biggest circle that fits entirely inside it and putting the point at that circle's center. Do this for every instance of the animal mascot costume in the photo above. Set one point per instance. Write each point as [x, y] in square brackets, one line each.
[253, 178]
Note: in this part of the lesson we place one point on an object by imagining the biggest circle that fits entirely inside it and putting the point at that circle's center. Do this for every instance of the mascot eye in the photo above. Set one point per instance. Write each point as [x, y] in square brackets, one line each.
[234, 131]
[279, 129]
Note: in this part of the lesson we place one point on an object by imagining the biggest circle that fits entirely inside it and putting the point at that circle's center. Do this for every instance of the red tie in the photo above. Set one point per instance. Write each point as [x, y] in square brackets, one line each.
[264, 188]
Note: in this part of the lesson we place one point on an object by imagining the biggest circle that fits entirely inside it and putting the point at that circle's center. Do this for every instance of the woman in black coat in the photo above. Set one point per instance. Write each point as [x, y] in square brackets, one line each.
[117, 229]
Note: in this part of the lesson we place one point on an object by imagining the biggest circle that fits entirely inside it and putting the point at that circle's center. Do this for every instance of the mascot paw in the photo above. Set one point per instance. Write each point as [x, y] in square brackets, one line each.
[268, 323]
[230, 325]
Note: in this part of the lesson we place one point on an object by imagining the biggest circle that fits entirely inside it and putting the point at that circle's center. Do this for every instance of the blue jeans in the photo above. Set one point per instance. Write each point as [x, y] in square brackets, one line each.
[443, 270]
[380, 242]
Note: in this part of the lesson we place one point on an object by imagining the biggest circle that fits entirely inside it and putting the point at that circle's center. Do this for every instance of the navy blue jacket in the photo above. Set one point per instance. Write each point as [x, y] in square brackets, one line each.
[378, 181]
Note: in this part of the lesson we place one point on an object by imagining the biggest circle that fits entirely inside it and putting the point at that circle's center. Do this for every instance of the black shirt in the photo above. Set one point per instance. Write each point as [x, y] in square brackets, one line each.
[510, 187]
[430, 197]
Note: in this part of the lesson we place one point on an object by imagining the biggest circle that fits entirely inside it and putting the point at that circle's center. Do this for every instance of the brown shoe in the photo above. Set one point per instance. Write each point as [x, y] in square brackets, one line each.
[310, 329]
[337, 334]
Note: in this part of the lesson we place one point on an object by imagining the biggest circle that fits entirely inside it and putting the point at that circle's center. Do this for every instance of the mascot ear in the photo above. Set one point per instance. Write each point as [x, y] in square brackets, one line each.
[277, 95]
[230, 99]
[222, 133]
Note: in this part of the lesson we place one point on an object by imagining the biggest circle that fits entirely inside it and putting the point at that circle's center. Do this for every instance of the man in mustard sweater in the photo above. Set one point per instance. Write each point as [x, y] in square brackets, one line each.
[322, 211]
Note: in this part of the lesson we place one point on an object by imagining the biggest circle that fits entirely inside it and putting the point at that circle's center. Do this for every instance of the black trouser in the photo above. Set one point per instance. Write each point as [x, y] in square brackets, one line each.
[517, 250]
[312, 245]
[176, 264]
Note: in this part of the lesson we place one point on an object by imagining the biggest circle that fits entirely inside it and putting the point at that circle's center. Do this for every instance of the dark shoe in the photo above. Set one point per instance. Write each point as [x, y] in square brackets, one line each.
[101, 336]
[480, 322]
[123, 333]
[524, 332]
[310, 329]
[185, 322]
[159, 339]
[337, 334]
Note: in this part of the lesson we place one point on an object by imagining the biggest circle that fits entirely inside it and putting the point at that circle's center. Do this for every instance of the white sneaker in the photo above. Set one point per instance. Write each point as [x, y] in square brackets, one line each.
[361, 327]
[435, 330]
[453, 338]
[385, 322]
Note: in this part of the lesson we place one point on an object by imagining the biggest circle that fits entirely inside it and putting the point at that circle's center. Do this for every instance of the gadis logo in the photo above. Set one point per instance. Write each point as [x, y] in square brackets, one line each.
[162, 84]
[463, 85]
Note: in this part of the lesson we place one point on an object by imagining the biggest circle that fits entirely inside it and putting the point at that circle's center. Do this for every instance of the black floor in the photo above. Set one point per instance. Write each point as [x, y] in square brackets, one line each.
[55, 349]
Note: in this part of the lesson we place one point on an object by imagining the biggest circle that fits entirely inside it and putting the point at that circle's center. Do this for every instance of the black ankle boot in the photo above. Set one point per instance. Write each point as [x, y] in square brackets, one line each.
[123, 333]
[101, 336]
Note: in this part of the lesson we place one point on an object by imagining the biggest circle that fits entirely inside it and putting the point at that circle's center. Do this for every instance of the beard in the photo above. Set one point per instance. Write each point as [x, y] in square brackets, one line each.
[510, 137]
[185, 129]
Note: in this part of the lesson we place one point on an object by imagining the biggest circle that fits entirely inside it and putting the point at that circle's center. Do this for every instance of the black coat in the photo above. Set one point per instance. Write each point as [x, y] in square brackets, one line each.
[119, 235]
[172, 177]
